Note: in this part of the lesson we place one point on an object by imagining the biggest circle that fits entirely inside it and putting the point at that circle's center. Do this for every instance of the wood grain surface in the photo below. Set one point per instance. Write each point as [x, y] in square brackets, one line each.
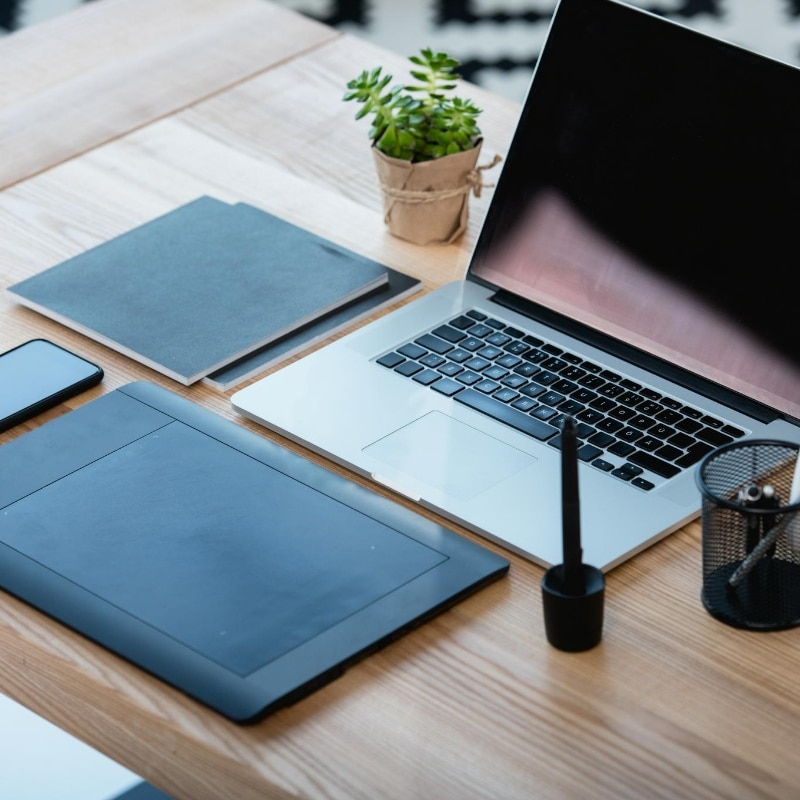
[126, 108]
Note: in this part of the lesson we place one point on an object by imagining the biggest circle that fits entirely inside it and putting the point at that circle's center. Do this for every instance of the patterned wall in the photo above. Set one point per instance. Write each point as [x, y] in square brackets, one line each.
[498, 41]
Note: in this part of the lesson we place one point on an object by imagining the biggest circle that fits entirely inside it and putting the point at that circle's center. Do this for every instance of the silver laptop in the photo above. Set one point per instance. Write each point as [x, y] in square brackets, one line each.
[634, 271]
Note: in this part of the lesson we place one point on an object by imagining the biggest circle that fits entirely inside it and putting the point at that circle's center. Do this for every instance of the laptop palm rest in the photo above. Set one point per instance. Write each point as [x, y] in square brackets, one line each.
[437, 450]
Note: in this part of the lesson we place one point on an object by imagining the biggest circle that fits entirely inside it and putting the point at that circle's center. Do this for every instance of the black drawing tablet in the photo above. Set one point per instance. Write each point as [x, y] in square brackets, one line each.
[232, 568]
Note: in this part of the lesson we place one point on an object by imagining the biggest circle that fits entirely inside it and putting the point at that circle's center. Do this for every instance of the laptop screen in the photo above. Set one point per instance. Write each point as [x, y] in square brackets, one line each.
[651, 193]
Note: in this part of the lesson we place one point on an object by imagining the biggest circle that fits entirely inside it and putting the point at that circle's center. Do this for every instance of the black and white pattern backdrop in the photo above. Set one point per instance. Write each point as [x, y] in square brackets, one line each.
[497, 41]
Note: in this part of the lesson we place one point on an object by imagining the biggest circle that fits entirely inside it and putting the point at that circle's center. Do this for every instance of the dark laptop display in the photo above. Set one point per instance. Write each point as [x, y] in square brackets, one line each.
[638, 188]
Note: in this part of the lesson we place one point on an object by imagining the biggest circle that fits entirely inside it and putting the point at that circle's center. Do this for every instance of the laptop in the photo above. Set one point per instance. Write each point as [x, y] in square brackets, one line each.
[632, 272]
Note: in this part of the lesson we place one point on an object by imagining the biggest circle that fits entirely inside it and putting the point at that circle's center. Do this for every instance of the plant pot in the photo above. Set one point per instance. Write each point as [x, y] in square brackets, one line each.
[427, 202]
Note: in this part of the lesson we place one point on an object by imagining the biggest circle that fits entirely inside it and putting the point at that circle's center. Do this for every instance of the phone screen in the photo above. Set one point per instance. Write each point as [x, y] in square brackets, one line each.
[38, 375]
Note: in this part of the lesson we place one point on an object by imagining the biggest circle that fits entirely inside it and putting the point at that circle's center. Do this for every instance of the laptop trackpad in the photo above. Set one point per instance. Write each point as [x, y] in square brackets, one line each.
[448, 455]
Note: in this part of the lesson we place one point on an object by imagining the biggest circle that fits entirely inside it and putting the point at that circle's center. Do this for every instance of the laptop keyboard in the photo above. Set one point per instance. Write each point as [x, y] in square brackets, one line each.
[624, 428]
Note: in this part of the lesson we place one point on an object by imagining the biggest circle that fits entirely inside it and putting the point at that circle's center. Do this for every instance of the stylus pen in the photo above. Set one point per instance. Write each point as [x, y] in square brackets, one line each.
[769, 540]
[570, 510]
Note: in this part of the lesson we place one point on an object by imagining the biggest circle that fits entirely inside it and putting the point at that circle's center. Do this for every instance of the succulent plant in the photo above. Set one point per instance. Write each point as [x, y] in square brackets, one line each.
[420, 121]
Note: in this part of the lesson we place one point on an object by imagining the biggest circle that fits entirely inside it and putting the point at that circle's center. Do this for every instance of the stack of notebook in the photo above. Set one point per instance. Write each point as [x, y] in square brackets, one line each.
[212, 291]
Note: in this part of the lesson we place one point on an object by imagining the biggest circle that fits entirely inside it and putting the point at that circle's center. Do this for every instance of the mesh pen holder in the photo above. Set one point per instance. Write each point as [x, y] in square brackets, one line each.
[751, 535]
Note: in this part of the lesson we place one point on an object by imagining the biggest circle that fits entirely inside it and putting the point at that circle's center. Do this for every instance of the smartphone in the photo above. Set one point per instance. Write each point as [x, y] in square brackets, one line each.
[38, 375]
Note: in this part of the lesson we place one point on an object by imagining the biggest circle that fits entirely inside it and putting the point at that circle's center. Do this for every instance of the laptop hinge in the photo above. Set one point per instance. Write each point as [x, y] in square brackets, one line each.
[620, 349]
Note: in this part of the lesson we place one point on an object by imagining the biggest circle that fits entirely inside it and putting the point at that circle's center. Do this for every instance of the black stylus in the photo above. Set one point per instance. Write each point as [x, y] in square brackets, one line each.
[574, 583]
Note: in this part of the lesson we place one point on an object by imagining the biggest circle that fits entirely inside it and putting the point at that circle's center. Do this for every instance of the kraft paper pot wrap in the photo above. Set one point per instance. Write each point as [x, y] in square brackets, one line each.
[427, 202]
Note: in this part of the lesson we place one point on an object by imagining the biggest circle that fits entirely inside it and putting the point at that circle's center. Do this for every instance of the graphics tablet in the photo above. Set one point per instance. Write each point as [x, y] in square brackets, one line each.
[235, 570]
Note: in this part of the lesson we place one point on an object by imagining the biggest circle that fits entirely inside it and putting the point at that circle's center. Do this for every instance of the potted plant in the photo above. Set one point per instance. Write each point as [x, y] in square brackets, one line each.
[426, 143]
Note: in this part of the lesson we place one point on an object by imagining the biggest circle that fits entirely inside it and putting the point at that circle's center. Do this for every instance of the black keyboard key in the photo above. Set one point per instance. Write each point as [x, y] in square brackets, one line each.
[661, 430]
[475, 314]
[622, 413]
[490, 351]
[629, 434]
[510, 416]
[642, 483]
[480, 331]
[621, 448]
[513, 381]
[712, 436]
[653, 464]
[551, 398]
[570, 407]
[432, 360]
[427, 377]
[532, 389]
[602, 464]
[649, 443]
[711, 422]
[688, 425]
[524, 404]
[390, 360]
[486, 386]
[668, 452]
[694, 454]
[612, 390]
[447, 387]
[459, 355]
[449, 333]
[682, 440]
[508, 361]
[527, 370]
[554, 364]
[471, 343]
[434, 343]
[730, 430]
[412, 350]
[669, 416]
[408, 368]
[477, 364]
[609, 425]
[468, 377]
[629, 384]
[608, 375]
[649, 407]
[602, 439]
[588, 452]
[544, 413]
[590, 415]
[499, 339]
[651, 394]
[546, 377]
[504, 395]
[462, 323]
[553, 349]
[516, 347]
[450, 369]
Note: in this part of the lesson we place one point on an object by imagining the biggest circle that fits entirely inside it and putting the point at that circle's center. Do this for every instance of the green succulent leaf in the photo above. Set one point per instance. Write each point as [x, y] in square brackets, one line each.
[419, 121]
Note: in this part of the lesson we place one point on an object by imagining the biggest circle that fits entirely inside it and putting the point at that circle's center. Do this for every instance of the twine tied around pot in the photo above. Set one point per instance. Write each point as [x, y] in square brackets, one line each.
[426, 202]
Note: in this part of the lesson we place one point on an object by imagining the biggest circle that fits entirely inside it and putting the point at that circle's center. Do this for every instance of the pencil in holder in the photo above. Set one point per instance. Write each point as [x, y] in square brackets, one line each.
[751, 534]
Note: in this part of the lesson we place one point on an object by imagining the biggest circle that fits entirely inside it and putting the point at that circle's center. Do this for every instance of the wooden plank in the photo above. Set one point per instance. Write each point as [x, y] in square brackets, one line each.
[104, 69]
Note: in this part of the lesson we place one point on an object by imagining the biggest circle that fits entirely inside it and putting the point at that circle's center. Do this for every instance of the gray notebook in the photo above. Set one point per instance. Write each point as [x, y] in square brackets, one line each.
[201, 286]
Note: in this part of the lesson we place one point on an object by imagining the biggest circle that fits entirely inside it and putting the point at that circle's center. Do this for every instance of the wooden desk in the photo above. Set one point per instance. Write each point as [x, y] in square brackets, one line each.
[123, 109]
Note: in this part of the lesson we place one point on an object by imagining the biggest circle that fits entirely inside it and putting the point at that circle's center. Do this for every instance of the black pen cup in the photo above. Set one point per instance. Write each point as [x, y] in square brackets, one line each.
[751, 534]
[573, 622]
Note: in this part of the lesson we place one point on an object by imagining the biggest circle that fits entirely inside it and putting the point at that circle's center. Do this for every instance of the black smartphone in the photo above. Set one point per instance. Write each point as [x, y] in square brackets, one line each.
[38, 375]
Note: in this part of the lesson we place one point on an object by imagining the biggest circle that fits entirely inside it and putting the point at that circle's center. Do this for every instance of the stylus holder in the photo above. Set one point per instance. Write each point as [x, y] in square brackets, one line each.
[751, 534]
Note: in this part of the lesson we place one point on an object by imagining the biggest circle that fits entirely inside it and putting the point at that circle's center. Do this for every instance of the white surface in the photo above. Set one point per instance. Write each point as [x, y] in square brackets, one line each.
[39, 761]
